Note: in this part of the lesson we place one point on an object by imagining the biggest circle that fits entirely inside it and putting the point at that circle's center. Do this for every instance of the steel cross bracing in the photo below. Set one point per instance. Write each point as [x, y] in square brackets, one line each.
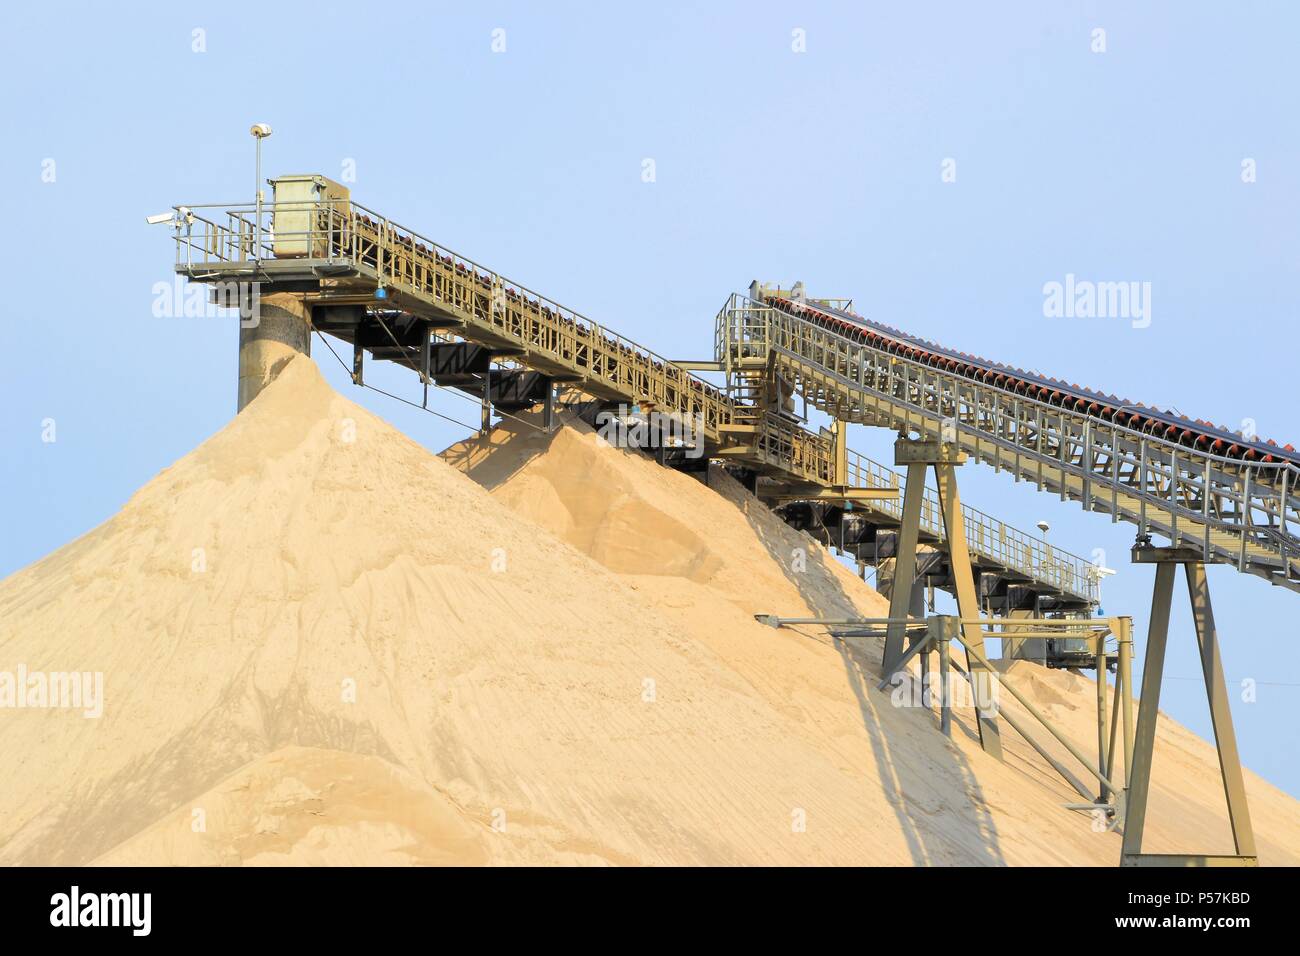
[993, 542]
[1244, 513]
[353, 251]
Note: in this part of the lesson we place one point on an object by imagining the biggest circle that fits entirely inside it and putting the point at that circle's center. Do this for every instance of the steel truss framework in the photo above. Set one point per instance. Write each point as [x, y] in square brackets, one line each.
[1220, 509]
[1215, 508]
[919, 457]
[1125, 802]
[1232, 511]
[350, 252]
[1167, 561]
[936, 634]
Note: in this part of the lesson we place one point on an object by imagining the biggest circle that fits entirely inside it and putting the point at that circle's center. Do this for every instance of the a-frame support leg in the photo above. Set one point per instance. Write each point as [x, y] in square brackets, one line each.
[919, 456]
[968, 609]
[1225, 738]
[904, 563]
[1121, 717]
[917, 611]
[1105, 740]
[1139, 780]
[1139, 784]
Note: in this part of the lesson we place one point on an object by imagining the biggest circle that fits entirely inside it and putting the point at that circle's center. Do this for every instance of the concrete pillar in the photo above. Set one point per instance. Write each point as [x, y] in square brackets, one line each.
[277, 331]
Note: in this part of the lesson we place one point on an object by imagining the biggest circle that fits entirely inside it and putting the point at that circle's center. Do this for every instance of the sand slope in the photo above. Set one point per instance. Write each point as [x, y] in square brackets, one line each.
[341, 650]
[738, 558]
[307, 807]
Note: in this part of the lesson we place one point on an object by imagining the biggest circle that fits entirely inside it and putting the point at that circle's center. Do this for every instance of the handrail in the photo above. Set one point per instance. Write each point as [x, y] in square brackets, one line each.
[1195, 496]
[988, 536]
[406, 261]
[345, 232]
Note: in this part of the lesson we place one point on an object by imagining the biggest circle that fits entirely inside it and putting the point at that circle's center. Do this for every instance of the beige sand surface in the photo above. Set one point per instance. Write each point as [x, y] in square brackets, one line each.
[742, 553]
[370, 658]
[302, 806]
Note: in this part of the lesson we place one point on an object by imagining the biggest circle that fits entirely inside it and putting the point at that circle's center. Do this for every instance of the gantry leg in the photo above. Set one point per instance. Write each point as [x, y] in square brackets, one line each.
[904, 563]
[1103, 734]
[917, 610]
[1112, 758]
[1014, 648]
[1135, 806]
[1166, 561]
[1124, 691]
[1234, 787]
[982, 677]
[943, 637]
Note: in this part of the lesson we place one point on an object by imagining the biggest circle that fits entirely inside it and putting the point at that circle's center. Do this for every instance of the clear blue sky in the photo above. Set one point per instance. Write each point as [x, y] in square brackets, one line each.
[822, 166]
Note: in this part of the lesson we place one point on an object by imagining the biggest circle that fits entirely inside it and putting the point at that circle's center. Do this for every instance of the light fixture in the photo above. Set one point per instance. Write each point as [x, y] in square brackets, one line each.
[260, 132]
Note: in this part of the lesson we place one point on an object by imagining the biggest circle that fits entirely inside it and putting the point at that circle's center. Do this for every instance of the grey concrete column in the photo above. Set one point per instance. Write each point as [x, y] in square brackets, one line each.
[276, 331]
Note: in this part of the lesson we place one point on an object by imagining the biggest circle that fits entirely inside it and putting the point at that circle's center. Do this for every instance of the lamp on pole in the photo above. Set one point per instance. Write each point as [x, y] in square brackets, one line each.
[1048, 565]
[260, 132]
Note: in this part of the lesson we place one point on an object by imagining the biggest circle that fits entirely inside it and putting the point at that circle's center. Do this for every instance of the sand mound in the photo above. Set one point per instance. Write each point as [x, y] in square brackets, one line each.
[638, 518]
[569, 479]
[306, 807]
[309, 577]
[341, 650]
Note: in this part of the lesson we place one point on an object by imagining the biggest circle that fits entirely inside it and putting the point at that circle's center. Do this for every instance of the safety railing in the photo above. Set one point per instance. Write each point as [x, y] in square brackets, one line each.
[990, 539]
[742, 332]
[1234, 511]
[335, 232]
[403, 260]
[338, 232]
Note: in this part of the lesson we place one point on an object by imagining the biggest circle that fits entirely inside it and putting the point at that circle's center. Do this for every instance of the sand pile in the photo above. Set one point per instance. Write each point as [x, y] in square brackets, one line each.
[727, 551]
[321, 644]
[645, 521]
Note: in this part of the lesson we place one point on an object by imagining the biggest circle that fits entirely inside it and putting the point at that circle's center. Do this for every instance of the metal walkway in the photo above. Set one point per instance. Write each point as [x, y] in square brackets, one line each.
[350, 251]
[390, 291]
[1235, 500]
[1067, 580]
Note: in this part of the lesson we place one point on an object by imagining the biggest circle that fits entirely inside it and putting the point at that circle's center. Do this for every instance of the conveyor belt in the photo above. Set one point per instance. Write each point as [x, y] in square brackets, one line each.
[1192, 433]
[1235, 498]
[356, 264]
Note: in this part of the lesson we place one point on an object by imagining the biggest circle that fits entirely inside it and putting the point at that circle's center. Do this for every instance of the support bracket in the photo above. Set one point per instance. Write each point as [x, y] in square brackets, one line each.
[919, 456]
[1167, 561]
